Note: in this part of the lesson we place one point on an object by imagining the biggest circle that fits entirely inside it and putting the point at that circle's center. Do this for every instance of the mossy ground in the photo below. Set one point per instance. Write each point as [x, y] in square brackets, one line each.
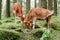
[8, 32]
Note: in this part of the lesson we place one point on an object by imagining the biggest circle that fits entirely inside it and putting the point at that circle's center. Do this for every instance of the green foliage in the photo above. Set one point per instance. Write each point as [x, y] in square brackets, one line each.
[56, 26]
[40, 23]
[10, 35]
[11, 19]
[0, 22]
[37, 33]
[40, 33]
[55, 22]
[46, 34]
[55, 35]
[8, 23]
[11, 26]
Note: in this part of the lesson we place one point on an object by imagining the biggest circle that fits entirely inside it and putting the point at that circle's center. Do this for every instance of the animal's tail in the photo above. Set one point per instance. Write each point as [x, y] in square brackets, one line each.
[52, 12]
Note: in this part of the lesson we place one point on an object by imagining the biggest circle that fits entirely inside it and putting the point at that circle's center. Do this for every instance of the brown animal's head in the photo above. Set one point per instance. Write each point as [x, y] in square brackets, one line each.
[27, 24]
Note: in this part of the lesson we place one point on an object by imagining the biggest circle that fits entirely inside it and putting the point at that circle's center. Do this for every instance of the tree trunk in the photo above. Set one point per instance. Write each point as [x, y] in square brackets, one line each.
[14, 1]
[50, 5]
[35, 3]
[0, 7]
[3, 14]
[44, 3]
[21, 2]
[40, 3]
[8, 8]
[55, 7]
[27, 6]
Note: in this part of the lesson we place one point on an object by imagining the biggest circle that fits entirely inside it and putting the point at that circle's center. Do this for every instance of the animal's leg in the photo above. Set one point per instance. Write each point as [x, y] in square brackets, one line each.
[15, 19]
[15, 16]
[48, 22]
[34, 23]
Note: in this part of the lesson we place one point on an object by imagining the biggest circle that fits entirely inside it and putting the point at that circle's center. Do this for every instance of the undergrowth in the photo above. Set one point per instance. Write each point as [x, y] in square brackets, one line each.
[8, 24]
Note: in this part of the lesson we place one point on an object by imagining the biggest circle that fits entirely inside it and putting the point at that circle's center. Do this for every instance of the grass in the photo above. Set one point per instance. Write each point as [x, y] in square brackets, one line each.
[55, 35]
[6, 34]
[7, 26]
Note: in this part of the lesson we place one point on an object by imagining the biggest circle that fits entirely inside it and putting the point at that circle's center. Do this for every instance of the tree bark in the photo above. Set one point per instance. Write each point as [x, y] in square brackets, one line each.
[0, 8]
[35, 3]
[3, 13]
[44, 4]
[8, 8]
[14, 1]
[55, 7]
[21, 2]
[50, 5]
[27, 6]
[40, 3]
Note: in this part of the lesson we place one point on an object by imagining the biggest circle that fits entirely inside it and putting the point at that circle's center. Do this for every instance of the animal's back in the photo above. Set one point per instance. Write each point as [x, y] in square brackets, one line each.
[40, 13]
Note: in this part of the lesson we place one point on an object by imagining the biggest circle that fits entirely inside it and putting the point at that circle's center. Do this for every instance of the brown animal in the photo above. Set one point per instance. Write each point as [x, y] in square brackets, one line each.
[17, 10]
[38, 13]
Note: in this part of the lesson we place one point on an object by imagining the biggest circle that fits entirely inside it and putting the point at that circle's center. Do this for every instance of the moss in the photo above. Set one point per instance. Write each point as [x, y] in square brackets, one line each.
[0, 22]
[38, 34]
[56, 26]
[11, 26]
[10, 35]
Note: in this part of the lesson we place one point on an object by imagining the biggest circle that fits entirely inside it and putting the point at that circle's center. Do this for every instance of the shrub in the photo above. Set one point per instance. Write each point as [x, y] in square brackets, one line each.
[11, 25]
[10, 35]
[42, 33]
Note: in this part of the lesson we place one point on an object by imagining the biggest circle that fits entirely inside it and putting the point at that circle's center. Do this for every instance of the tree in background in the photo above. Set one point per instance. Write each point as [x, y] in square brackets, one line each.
[40, 3]
[50, 4]
[27, 6]
[35, 3]
[55, 7]
[44, 3]
[8, 8]
[20, 2]
[0, 7]
[14, 1]
[3, 13]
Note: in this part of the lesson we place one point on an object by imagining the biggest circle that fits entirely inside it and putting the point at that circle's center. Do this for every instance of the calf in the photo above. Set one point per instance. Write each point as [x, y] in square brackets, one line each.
[17, 10]
[38, 13]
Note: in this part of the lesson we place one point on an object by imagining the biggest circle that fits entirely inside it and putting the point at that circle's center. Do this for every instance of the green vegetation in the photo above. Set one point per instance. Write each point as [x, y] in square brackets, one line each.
[8, 30]
[10, 35]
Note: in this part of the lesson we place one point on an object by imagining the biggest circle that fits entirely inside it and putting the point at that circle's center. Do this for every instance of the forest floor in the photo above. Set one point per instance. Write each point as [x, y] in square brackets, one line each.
[18, 31]
[55, 35]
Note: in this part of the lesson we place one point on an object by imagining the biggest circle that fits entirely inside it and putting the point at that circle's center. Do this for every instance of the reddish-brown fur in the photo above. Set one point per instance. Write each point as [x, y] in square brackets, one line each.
[38, 13]
[18, 11]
